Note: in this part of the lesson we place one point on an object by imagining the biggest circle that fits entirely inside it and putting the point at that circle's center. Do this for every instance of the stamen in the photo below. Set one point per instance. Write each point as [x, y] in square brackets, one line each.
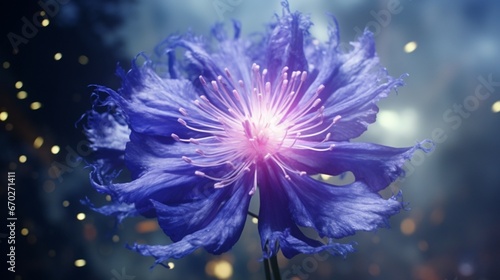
[254, 124]
[176, 137]
[194, 141]
[183, 112]
[254, 188]
[202, 80]
[228, 74]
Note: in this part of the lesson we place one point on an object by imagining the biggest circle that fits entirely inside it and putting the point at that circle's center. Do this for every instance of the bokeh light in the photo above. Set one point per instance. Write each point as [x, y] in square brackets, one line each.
[55, 149]
[57, 56]
[80, 263]
[22, 95]
[35, 105]
[3, 116]
[80, 216]
[38, 142]
[410, 47]
[448, 48]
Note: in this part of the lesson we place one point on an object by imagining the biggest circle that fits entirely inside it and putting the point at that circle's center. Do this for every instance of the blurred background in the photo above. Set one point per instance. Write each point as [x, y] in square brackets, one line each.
[53, 49]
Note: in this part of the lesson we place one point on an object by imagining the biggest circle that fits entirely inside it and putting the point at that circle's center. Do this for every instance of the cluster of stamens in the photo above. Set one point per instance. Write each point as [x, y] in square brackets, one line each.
[248, 125]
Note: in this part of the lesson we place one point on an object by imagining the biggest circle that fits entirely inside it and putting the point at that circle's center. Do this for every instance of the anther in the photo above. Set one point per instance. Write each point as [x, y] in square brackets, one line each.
[176, 137]
[268, 88]
[200, 152]
[228, 74]
[215, 86]
[320, 89]
[316, 102]
[204, 98]
[199, 173]
[194, 141]
[304, 76]
[202, 80]
[186, 159]
[321, 110]
[181, 121]
[219, 185]
[236, 95]
[183, 112]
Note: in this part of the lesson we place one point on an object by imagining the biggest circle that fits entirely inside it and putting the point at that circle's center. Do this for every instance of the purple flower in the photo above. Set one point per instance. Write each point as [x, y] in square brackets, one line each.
[201, 135]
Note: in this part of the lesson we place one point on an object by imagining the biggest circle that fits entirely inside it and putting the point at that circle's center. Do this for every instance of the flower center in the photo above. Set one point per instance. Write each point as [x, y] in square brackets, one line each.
[250, 125]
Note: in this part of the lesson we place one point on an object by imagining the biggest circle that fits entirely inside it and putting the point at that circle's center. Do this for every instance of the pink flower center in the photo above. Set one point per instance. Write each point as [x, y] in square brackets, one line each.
[260, 123]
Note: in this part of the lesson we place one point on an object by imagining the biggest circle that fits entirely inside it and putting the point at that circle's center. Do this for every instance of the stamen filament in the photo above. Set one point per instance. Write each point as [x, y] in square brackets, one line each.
[255, 124]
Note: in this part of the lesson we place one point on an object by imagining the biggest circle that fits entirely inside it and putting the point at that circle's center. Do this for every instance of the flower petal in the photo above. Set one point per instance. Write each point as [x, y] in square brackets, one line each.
[337, 211]
[218, 236]
[107, 130]
[149, 152]
[182, 217]
[276, 227]
[375, 165]
[285, 45]
[199, 59]
[108, 134]
[354, 82]
[150, 103]
[119, 210]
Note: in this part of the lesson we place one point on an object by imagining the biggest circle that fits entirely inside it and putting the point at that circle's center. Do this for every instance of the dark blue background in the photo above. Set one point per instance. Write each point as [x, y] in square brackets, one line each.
[453, 192]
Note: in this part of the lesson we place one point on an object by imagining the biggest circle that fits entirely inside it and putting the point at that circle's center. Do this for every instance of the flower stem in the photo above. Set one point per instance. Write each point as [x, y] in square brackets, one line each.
[267, 270]
[275, 268]
[270, 264]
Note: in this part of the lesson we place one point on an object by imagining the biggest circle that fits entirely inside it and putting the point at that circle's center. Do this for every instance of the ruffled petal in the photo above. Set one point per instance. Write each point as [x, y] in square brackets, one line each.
[145, 153]
[150, 103]
[119, 210]
[375, 165]
[159, 173]
[276, 227]
[218, 236]
[108, 133]
[106, 130]
[337, 211]
[156, 184]
[354, 82]
[183, 217]
[285, 45]
[201, 60]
